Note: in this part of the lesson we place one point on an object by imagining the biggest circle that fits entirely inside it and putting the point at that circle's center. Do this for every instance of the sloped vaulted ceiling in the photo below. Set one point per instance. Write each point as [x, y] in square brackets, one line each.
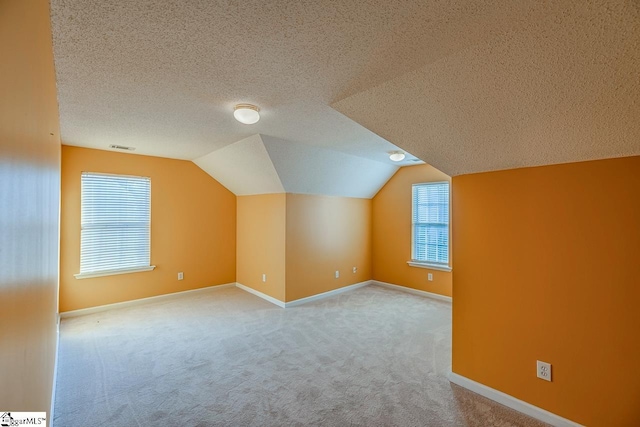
[562, 89]
[263, 164]
[466, 86]
[243, 167]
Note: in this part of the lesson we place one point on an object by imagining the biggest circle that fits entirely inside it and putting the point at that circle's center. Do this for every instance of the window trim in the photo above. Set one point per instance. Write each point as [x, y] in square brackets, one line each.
[117, 271]
[429, 265]
[413, 262]
[112, 272]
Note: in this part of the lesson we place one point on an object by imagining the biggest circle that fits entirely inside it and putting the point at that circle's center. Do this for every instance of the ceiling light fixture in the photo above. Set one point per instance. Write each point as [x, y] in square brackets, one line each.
[396, 156]
[246, 113]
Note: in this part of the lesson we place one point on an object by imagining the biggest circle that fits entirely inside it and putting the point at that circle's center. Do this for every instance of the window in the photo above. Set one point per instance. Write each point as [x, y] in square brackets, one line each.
[430, 223]
[115, 224]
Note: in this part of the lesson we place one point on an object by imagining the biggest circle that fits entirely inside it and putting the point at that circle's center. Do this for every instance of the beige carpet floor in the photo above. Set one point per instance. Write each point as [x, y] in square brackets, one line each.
[370, 357]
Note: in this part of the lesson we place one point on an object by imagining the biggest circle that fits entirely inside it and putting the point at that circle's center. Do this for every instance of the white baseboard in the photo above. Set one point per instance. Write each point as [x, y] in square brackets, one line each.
[266, 297]
[141, 301]
[412, 291]
[512, 402]
[282, 304]
[302, 300]
[327, 294]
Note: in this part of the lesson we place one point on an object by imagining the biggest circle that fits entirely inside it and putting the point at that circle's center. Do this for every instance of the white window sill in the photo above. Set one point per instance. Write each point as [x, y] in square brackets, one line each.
[112, 272]
[421, 264]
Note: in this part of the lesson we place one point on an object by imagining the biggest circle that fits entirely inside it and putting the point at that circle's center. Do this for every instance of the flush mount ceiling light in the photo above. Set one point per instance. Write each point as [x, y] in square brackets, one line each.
[396, 156]
[246, 113]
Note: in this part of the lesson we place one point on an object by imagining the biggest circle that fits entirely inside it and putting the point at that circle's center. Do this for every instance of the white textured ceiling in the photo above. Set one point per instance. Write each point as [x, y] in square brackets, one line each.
[243, 167]
[307, 169]
[466, 86]
[562, 89]
[262, 164]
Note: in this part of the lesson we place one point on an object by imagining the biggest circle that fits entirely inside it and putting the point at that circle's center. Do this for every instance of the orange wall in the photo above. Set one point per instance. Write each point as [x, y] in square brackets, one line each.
[261, 243]
[193, 229]
[392, 233]
[29, 201]
[325, 234]
[548, 268]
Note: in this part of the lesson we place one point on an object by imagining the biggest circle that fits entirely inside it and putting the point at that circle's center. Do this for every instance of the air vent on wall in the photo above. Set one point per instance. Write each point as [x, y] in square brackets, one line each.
[122, 147]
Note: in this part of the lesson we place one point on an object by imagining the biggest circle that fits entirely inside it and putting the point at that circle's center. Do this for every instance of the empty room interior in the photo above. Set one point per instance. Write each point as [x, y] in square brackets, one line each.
[375, 213]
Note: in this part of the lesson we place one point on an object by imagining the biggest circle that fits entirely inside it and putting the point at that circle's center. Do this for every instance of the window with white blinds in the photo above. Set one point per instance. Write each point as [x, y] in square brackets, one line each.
[116, 224]
[430, 238]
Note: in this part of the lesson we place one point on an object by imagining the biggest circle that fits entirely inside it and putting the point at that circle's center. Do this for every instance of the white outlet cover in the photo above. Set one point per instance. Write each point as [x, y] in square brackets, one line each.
[543, 370]
[355, 269]
[264, 277]
[337, 274]
[430, 277]
[180, 276]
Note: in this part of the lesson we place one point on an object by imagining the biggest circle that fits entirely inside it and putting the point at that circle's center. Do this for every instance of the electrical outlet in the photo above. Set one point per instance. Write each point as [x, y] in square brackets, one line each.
[264, 277]
[337, 274]
[430, 277]
[180, 275]
[355, 269]
[543, 370]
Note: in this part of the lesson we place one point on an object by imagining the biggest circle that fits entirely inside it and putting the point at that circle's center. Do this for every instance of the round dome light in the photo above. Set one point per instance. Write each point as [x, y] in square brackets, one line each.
[397, 156]
[246, 113]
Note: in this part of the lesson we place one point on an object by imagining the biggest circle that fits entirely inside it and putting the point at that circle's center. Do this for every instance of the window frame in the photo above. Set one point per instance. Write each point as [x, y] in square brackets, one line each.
[433, 265]
[116, 270]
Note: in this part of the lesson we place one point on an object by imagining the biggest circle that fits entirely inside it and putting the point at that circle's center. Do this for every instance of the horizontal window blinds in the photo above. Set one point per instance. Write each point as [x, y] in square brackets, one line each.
[116, 222]
[431, 222]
